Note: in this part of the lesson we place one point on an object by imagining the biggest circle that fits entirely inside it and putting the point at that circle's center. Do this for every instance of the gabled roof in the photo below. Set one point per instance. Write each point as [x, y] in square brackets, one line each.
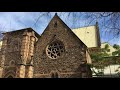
[56, 16]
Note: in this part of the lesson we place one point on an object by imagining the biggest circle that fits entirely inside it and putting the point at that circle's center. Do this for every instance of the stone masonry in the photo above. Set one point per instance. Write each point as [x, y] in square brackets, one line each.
[57, 53]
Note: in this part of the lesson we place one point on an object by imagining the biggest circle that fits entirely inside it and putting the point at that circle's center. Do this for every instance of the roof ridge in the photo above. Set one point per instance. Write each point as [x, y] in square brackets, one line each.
[84, 27]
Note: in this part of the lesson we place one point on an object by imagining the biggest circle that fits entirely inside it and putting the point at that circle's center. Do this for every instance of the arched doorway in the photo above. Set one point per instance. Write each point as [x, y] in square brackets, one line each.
[10, 76]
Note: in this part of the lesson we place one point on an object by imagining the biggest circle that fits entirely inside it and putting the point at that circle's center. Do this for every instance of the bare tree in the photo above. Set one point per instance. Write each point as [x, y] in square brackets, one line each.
[109, 21]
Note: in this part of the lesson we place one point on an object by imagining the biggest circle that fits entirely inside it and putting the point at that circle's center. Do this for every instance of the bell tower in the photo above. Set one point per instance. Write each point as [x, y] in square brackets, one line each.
[17, 53]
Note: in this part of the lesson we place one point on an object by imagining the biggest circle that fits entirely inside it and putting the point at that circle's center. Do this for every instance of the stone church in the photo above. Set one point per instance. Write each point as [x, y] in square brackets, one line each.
[56, 53]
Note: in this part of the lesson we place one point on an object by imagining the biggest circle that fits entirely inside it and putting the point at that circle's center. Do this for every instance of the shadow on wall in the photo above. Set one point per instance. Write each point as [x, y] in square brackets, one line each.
[83, 71]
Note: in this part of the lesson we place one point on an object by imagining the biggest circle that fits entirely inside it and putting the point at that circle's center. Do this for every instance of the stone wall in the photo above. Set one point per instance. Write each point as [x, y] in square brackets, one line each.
[58, 52]
[68, 64]
[17, 51]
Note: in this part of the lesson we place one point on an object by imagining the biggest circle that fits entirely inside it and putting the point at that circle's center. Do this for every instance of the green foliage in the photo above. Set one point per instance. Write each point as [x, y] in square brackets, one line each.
[116, 46]
[98, 58]
[117, 52]
[106, 46]
[114, 53]
[102, 59]
[106, 49]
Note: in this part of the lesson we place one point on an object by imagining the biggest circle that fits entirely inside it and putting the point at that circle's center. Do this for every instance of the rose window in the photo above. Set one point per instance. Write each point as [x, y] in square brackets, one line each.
[55, 50]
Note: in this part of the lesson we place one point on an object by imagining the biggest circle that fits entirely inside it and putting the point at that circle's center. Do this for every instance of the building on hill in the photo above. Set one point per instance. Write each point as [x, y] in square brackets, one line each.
[57, 53]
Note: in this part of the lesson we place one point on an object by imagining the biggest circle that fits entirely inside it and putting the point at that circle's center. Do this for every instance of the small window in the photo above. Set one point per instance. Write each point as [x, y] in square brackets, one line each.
[12, 63]
[56, 75]
[55, 24]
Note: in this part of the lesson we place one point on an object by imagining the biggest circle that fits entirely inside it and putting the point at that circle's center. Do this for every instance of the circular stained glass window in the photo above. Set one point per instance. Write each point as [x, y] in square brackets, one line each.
[55, 50]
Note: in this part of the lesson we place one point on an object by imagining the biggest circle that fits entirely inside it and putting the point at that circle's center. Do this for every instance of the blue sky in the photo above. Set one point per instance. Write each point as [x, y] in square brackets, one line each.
[10, 21]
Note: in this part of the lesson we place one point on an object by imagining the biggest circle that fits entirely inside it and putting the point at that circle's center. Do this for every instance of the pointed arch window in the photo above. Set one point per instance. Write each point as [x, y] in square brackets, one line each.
[55, 24]
[10, 76]
[12, 63]
[54, 75]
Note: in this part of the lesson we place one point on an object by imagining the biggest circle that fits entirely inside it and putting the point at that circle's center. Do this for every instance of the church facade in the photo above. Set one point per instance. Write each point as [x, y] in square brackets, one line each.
[57, 53]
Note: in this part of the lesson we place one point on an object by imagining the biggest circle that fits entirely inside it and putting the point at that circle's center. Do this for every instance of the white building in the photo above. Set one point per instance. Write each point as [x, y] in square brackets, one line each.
[89, 35]
[91, 38]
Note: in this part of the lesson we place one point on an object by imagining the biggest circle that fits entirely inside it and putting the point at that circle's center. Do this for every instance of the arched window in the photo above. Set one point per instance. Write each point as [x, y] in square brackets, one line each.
[10, 76]
[54, 75]
[55, 24]
[12, 63]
